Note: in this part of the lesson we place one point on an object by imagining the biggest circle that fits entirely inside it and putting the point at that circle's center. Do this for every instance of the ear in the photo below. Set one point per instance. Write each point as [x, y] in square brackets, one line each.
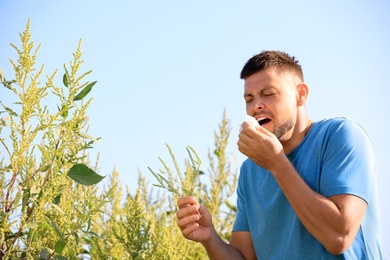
[303, 93]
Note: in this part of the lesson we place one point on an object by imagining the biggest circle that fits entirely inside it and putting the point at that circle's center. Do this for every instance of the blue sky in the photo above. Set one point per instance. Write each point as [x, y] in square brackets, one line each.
[166, 70]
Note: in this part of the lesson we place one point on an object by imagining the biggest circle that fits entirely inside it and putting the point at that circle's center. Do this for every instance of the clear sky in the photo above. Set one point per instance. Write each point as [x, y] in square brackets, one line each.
[166, 70]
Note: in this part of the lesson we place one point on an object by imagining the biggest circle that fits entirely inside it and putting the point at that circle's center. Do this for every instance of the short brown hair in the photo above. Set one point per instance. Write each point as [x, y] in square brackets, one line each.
[271, 59]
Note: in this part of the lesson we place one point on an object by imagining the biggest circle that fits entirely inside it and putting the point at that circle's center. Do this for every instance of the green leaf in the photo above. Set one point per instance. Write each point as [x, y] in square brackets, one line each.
[87, 136]
[59, 246]
[43, 255]
[77, 239]
[58, 231]
[32, 225]
[44, 153]
[84, 92]
[1, 76]
[32, 235]
[34, 190]
[18, 196]
[57, 199]
[25, 198]
[65, 111]
[45, 168]
[65, 80]
[3, 122]
[57, 208]
[9, 110]
[89, 224]
[82, 174]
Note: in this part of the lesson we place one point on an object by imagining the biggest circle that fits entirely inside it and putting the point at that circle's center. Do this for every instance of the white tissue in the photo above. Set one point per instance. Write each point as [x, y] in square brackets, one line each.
[251, 121]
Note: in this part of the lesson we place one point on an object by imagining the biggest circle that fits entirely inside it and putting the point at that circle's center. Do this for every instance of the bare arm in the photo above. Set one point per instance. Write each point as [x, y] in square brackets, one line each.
[240, 247]
[334, 221]
[200, 229]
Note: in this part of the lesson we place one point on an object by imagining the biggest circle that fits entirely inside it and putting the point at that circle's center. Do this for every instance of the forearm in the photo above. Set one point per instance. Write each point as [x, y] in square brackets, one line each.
[321, 216]
[217, 249]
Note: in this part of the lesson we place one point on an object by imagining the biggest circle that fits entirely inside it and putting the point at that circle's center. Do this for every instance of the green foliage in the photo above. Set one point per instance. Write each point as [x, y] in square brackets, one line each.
[223, 182]
[144, 225]
[50, 207]
[179, 185]
[43, 213]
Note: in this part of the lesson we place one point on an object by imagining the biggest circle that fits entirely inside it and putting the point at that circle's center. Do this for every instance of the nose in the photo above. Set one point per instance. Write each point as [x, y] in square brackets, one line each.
[256, 105]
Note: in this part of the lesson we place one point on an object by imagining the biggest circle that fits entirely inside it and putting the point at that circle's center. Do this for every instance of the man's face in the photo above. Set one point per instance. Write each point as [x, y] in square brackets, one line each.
[271, 97]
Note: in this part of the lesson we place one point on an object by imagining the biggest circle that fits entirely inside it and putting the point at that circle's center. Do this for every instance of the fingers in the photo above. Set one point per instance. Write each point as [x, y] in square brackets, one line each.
[245, 139]
[188, 206]
[189, 229]
[246, 125]
[188, 215]
[249, 130]
[185, 201]
[251, 138]
[188, 224]
[250, 134]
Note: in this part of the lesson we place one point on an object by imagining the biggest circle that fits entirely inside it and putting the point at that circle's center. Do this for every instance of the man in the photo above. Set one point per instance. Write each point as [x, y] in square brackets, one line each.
[306, 191]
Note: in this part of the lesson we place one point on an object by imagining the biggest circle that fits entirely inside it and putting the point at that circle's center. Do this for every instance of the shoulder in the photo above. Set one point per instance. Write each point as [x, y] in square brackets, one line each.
[333, 140]
[336, 122]
[340, 128]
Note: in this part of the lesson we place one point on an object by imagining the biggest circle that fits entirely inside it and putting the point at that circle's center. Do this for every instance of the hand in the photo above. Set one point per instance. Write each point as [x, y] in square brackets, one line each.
[194, 220]
[260, 145]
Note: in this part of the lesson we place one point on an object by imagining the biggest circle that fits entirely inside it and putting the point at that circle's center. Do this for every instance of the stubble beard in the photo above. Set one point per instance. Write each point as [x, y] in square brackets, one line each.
[279, 131]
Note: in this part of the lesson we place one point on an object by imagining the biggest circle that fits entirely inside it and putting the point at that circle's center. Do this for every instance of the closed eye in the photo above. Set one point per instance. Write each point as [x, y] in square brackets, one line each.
[248, 98]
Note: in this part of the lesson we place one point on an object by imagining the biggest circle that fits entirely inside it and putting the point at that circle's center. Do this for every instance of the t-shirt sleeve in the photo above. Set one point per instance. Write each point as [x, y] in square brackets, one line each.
[348, 162]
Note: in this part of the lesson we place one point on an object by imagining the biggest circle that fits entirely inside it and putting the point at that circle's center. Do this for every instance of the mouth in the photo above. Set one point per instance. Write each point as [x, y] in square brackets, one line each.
[263, 120]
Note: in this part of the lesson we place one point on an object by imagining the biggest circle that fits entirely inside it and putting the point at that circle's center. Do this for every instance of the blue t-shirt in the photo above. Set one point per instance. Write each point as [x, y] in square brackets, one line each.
[335, 157]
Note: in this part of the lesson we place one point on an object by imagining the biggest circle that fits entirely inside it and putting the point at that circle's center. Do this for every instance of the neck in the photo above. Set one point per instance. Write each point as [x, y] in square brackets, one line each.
[299, 132]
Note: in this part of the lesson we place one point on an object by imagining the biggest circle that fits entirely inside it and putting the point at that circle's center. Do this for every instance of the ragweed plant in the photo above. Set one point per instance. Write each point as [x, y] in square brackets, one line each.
[47, 196]
[180, 185]
[223, 182]
[143, 225]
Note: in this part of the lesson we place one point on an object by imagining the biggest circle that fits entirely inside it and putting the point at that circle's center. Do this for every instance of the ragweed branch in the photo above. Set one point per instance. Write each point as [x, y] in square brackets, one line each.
[180, 184]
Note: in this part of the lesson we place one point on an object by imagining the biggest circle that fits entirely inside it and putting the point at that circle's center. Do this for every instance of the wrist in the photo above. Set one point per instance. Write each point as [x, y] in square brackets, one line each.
[212, 241]
[281, 168]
